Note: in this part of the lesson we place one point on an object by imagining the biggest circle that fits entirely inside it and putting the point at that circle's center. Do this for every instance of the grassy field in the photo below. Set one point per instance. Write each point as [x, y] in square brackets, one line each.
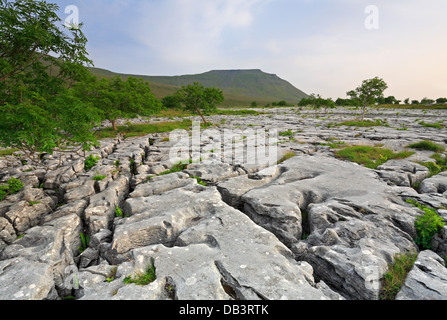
[370, 157]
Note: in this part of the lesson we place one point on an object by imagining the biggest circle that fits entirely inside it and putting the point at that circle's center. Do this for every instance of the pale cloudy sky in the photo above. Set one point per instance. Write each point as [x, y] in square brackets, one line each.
[320, 46]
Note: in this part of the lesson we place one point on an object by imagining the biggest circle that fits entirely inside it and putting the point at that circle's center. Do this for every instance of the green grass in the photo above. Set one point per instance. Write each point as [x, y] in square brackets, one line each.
[370, 157]
[287, 156]
[176, 168]
[200, 181]
[139, 130]
[396, 275]
[85, 241]
[99, 177]
[427, 145]
[287, 133]
[143, 279]
[361, 124]
[7, 152]
[431, 125]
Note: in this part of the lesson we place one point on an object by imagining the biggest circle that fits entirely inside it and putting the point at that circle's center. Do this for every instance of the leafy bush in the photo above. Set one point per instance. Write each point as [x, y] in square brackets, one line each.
[13, 186]
[427, 225]
[90, 162]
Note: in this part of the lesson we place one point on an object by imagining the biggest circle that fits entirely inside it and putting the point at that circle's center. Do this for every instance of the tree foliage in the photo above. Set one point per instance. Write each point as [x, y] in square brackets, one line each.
[115, 98]
[368, 93]
[39, 113]
[316, 101]
[202, 100]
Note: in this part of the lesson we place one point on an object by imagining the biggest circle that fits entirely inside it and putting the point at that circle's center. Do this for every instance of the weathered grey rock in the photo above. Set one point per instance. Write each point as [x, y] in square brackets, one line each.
[213, 172]
[21, 279]
[233, 189]
[44, 252]
[427, 280]
[24, 215]
[435, 184]
[160, 219]
[402, 172]
[439, 242]
[84, 191]
[101, 210]
[7, 232]
[160, 184]
[348, 208]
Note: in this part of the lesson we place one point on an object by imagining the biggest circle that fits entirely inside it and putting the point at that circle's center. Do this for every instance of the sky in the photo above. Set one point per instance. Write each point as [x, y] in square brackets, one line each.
[320, 46]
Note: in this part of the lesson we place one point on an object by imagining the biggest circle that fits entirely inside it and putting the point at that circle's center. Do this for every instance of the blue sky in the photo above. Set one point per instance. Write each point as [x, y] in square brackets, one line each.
[320, 46]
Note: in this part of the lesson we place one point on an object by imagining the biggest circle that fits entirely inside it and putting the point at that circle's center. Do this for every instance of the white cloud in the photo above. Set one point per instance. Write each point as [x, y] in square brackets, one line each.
[190, 32]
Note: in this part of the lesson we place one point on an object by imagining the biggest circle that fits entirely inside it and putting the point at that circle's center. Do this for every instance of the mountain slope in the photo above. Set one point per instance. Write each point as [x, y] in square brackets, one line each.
[240, 87]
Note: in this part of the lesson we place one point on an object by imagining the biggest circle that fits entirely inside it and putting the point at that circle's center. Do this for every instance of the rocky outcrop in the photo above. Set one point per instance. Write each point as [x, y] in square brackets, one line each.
[427, 280]
[311, 228]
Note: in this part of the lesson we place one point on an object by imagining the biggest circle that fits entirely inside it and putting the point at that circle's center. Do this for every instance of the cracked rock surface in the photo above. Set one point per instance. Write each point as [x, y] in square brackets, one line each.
[311, 228]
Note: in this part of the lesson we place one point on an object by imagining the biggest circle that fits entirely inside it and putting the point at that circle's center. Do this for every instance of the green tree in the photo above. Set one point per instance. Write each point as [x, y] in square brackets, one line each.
[39, 112]
[202, 100]
[116, 98]
[328, 104]
[172, 102]
[368, 93]
[441, 100]
[316, 101]
[427, 101]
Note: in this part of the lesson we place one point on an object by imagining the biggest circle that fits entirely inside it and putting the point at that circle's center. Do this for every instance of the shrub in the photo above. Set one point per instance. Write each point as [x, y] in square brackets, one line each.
[90, 162]
[99, 178]
[13, 186]
[427, 225]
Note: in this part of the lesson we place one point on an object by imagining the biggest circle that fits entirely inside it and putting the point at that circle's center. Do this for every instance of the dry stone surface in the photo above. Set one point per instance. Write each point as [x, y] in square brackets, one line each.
[310, 228]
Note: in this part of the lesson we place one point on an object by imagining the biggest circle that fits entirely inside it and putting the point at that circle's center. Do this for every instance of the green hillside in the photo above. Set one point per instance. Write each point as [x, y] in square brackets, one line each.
[240, 87]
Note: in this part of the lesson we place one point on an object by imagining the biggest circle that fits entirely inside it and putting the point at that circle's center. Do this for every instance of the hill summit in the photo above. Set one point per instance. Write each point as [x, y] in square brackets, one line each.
[240, 87]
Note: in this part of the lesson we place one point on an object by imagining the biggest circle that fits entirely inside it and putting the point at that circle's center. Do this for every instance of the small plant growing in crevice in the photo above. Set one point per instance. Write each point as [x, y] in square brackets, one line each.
[427, 225]
[143, 279]
[396, 275]
[118, 212]
[112, 274]
[99, 177]
[85, 241]
[12, 186]
[90, 162]
[199, 181]
[287, 156]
